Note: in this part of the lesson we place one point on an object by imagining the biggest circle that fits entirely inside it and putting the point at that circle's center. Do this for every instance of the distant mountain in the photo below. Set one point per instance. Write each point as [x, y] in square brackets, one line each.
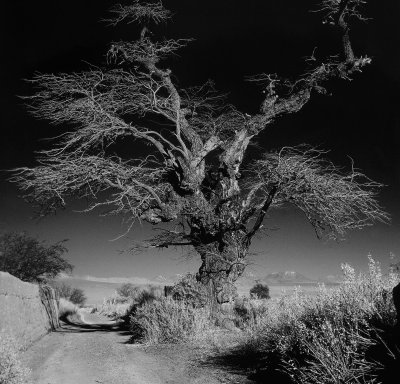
[286, 277]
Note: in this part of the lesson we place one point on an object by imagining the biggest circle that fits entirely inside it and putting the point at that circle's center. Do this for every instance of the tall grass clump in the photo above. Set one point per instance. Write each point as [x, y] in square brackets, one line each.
[183, 315]
[11, 369]
[165, 320]
[68, 310]
[125, 299]
[189, 290]
[114, 306]
[340, 335]
[248, 313]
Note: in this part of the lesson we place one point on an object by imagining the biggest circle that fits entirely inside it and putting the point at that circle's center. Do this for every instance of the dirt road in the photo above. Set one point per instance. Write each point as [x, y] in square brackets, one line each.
[96, 351]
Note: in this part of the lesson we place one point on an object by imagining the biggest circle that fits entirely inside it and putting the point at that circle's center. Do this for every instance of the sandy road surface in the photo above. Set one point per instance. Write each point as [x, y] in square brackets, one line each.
[97, 352]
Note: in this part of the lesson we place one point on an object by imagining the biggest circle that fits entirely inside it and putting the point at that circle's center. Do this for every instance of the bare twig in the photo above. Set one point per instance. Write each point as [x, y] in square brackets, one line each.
[140, 12]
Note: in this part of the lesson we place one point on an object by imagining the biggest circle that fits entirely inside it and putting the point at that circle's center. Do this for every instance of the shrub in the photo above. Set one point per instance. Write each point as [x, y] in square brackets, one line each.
[68, 310]
[11, 369]
[31, 260]
[260, 291]
[242, 310]
[114, 307]
[128, 290]
[65, 291]
[328, 338]
[245, 312]
[78, 297]
[121, 307]
[147, 295]
[165, 320]
[192, 292]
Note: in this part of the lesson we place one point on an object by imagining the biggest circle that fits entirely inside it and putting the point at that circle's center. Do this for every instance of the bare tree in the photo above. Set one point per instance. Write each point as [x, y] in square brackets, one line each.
[194, 174]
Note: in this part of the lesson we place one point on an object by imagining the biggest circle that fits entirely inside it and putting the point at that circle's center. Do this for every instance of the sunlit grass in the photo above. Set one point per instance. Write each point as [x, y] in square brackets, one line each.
[68, 310]
[113, 307]
[11, 369]
[339, 335]
[118, 306]
[167, 321]
[330, 337]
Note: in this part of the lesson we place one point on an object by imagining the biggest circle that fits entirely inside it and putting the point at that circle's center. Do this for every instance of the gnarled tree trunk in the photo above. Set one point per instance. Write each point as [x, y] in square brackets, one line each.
[222, 263]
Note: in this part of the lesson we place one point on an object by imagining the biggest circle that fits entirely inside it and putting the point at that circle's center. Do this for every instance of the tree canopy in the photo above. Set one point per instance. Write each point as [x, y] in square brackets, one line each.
[128, 290]
[260, 291]
[30, 259]
[195, 174]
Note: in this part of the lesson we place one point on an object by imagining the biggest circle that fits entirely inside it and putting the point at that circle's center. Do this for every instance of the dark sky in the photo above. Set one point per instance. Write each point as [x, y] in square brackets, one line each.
[233, 39]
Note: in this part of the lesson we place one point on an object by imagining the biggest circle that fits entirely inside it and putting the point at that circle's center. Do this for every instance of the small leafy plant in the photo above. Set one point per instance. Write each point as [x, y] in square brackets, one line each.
[260, 291]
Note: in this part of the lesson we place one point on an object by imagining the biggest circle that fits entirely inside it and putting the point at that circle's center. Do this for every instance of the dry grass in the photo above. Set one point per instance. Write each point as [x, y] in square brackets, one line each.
[11, 369]
[154, 319]
[114, 306]
[118, 306]
[342, 335]
[68, 310]
[165, 320]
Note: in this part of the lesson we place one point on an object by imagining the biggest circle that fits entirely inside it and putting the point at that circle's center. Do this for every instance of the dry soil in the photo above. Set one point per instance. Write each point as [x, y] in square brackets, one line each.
[95, 350]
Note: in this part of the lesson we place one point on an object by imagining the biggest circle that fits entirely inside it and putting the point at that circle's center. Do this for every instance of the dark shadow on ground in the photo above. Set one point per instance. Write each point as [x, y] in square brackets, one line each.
[259, 368]
[120, 327]
[250, 364]
[386, 353]
[72, 326]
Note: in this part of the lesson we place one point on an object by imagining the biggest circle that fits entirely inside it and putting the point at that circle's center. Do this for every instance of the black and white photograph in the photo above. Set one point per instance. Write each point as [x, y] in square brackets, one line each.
[200, 192]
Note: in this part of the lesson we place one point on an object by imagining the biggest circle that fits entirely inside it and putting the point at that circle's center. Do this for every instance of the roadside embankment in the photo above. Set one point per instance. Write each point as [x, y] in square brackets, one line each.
[27, 311]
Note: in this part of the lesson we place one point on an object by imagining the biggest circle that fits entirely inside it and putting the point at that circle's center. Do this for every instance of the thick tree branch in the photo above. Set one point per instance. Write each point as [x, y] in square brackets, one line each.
[334, 202]
[261, 214]
[133, 188]
[286, 97]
